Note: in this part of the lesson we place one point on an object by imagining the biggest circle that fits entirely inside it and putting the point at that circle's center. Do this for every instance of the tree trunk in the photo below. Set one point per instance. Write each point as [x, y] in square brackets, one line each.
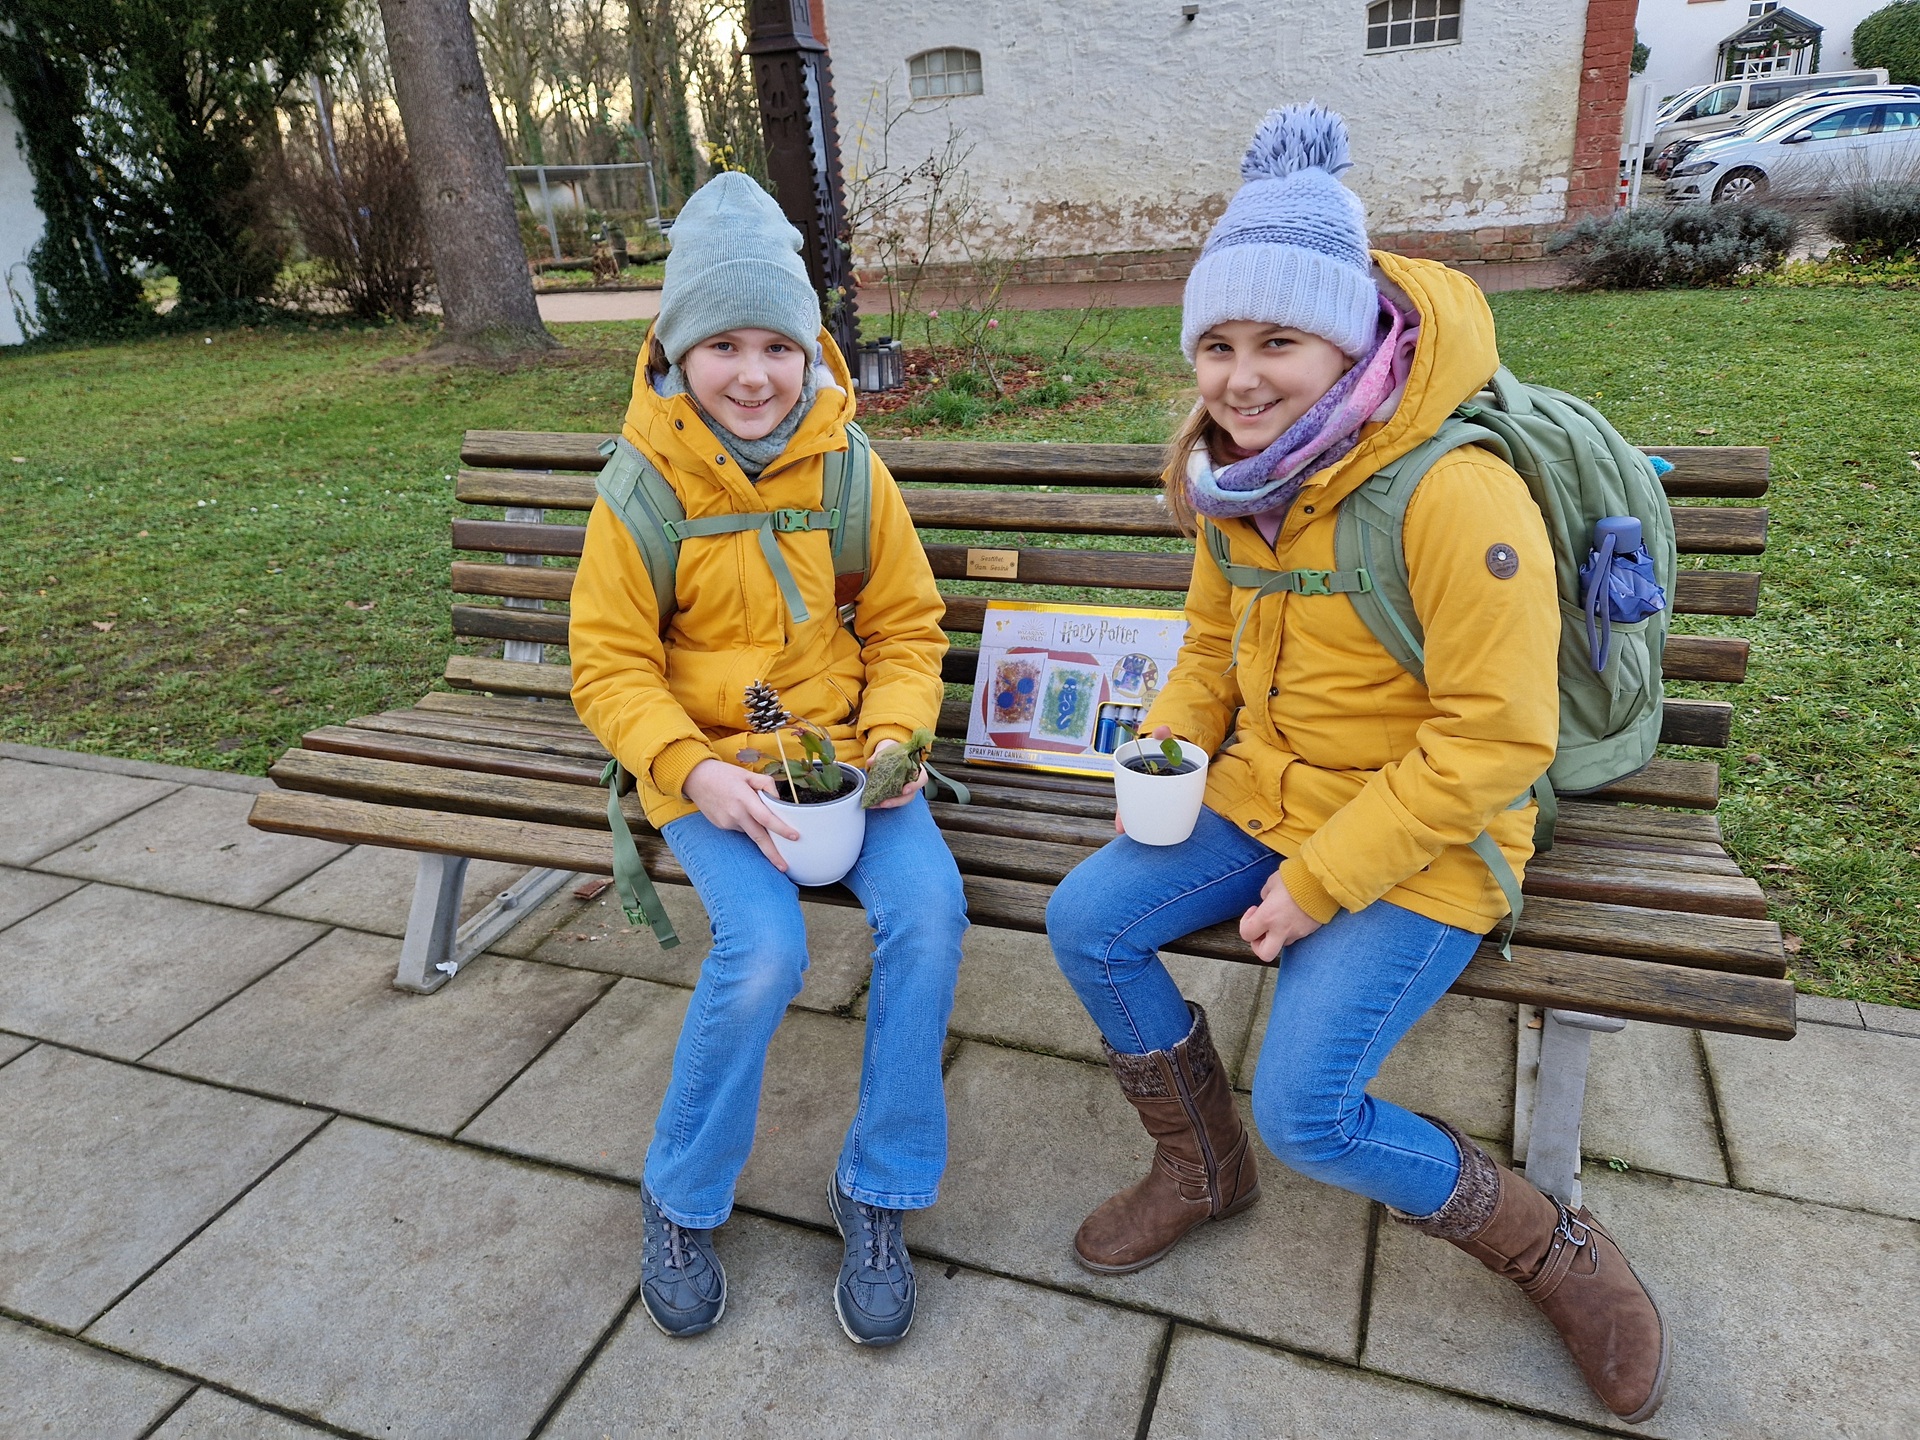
[459, 166]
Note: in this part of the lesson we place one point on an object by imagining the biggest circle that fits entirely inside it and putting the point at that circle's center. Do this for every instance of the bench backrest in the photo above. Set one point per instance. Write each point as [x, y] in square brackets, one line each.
[1070, 523]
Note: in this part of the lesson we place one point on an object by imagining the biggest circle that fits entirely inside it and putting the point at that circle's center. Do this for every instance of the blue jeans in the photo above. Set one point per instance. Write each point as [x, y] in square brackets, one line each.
[896, 1148]
[1343, 998]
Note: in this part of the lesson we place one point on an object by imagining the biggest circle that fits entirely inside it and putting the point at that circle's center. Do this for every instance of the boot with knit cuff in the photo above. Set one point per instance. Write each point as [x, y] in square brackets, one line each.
[1571, 1270]
[1202, 1158]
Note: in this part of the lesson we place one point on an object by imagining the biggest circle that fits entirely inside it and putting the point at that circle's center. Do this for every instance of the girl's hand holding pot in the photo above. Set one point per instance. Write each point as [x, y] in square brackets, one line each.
[730, 798]
[1276, 922]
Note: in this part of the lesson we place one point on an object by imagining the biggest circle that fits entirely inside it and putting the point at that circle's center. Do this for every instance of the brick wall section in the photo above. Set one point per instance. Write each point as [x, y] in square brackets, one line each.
[1594, 178]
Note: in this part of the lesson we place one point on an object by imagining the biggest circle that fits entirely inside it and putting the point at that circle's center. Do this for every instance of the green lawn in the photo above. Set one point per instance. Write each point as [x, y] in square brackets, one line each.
[217, 540]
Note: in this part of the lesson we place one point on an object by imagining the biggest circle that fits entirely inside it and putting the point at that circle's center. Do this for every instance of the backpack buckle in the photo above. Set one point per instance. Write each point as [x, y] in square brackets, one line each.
[789, 520]
[1313, 582]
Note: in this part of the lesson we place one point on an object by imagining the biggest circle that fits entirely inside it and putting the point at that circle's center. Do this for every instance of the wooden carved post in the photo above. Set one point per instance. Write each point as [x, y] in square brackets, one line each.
[795, 87]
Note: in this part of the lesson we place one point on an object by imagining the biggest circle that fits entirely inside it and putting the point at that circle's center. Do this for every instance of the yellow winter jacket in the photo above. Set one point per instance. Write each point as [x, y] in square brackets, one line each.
[662, 704]
[1370, 783]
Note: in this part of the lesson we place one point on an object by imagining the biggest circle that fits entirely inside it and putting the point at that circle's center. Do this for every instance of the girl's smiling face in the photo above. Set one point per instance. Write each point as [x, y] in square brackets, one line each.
[748, 380]
[1256, 379]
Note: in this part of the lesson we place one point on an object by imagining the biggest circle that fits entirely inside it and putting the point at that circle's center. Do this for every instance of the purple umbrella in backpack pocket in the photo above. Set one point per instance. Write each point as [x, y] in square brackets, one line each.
[1617, 584]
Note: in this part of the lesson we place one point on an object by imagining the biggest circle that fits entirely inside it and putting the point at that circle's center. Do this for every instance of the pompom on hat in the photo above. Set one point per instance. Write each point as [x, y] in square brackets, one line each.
[735, 265]
[1292, 246]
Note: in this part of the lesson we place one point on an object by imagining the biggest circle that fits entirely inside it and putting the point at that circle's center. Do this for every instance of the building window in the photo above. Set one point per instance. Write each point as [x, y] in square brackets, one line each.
[942, 74]
[1404, 24]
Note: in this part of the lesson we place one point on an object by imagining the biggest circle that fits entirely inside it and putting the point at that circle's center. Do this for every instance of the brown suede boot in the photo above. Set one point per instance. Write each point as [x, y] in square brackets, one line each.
[1569, 1267]
[1202, 1159]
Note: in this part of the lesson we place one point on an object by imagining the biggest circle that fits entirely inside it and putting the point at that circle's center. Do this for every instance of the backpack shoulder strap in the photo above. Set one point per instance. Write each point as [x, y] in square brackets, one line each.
[646, 504]
[847, 492]
[1368, 535]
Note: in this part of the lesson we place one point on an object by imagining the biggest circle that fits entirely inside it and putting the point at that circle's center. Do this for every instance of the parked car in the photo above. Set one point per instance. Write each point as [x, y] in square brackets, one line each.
[1816, 155]
[1766, 121]
[1728, 104]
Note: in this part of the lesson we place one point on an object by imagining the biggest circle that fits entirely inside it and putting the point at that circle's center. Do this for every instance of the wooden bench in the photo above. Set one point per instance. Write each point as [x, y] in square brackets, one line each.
[1637, 913]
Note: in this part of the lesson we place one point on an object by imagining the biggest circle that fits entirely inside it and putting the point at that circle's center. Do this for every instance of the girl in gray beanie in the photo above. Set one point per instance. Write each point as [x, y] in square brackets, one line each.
[1348, 799]
[738, 407]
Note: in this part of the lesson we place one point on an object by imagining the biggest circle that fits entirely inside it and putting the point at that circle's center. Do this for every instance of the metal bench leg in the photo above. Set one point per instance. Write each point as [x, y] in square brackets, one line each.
[527, 651]
[432, 924]
[434, 949]
[1550, 1092]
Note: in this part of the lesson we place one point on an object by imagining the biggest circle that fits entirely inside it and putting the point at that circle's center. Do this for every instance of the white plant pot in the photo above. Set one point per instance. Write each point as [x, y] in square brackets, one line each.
[1158, 809]
[831, 833]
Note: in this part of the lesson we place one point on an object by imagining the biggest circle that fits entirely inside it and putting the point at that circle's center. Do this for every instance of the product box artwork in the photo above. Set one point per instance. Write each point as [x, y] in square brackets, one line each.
[1060, 687]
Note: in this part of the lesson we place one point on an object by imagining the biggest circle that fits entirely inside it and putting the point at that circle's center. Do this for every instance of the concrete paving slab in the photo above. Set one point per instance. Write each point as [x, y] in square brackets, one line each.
[591, 1101]
[371, 888]
[329, 1029]
[390, 1284]
[45, 807]
[209, 1415]
[109, 1168]
[14, 1045]
[987, 1356]
[66, 1391]
[1829, 1010]
[1039, 1141]
[118, 971]
[598, 937]
[142, 769]
[1894, 1019]
[1215, 1387]
[1011, 992]
[1830, 1115]
[22, 892]
[1647, 1103]
[1789, 1319]
[195, 843]
[1456, 1062]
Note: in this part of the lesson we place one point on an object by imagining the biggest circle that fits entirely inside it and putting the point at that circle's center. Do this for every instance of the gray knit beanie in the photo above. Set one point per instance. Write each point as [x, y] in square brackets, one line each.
[1292, 246]
[735, 264]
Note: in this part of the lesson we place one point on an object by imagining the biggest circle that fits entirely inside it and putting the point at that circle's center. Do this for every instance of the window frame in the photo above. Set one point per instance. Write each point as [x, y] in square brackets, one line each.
[919, 86]
[1411, 16]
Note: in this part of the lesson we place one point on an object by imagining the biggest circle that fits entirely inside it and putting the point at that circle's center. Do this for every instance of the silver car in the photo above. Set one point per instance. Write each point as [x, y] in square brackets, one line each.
[1810, 155]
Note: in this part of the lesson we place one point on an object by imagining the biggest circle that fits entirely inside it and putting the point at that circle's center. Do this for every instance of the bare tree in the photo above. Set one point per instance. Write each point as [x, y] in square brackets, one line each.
[459, 166]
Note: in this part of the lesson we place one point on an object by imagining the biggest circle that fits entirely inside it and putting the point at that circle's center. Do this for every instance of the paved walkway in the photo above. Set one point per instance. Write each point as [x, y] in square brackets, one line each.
[249, 1189]
[563, 307]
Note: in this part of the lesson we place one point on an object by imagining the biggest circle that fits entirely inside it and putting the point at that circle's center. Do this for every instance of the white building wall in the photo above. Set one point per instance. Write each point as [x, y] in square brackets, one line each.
[21, 224]
[1684, 35]
[1115, 125]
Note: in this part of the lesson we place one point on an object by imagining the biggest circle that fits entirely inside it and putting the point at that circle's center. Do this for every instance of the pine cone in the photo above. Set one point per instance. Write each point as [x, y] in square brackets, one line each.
[765, 713]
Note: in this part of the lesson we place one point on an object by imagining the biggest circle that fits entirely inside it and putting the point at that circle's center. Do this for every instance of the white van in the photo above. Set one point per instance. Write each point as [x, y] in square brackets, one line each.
[1723, 107]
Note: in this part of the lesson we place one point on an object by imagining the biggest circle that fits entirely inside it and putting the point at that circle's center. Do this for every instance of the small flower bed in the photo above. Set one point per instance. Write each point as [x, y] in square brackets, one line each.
[949, 388]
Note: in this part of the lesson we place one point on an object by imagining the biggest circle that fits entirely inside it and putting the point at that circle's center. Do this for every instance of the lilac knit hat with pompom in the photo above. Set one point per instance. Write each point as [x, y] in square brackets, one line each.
[1292, 247]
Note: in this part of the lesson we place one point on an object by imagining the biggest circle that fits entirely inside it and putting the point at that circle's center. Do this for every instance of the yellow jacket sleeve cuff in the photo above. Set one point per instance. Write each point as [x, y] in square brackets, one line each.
[673, 764]
[899, 734]
[1307, 891]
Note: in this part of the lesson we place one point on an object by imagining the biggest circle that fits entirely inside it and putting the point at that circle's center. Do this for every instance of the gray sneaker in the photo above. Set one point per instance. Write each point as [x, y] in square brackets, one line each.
[875, 1292]
[681, 1282]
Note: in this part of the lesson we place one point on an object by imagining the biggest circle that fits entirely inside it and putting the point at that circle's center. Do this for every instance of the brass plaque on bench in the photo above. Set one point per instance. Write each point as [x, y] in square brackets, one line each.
[993, 564]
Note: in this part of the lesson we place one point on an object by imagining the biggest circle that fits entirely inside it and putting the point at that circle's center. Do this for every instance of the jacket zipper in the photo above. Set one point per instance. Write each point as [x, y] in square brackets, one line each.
[1199, 1130]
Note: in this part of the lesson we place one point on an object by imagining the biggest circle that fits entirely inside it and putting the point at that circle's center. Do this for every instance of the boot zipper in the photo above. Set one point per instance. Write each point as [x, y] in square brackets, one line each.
[1200, 1131]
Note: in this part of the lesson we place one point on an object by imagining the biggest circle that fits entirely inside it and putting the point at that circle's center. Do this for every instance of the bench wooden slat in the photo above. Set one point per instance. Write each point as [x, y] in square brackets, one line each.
[509, 677]
[1043, 849]
[1698, 529]
[1717, 471]
[1695, 592]
[350, 740]
[471, 731]
[528, 707]
[1635, 989]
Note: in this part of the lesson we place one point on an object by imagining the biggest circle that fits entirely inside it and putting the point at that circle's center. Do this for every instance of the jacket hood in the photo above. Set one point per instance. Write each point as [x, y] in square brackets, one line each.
[670, 431]
[1453, 360]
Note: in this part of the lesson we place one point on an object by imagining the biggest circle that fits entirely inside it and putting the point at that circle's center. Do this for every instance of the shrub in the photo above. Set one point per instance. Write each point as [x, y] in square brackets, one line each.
[1652, 249]
[1876, 219]
[1891, 37]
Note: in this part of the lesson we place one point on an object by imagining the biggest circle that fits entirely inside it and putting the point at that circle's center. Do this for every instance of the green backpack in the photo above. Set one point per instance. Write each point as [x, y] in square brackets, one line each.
[1579, 470]
[636, 492]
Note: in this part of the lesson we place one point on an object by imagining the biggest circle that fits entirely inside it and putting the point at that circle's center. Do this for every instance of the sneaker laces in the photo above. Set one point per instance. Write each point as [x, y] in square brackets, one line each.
[879, 1237]
[678, 1256]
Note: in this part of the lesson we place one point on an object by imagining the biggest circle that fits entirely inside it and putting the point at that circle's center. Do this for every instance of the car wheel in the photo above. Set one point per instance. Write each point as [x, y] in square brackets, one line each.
[1740, 186]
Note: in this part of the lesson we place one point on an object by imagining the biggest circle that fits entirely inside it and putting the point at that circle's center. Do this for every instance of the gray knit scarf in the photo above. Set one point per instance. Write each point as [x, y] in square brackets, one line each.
[753, 456]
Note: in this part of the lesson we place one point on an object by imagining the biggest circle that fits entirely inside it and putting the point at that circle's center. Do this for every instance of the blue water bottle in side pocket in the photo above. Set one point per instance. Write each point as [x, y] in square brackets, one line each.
[1617, 584]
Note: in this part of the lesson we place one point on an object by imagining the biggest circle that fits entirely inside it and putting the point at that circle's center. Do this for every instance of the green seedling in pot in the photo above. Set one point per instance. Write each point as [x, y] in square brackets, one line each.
[1170, 761]
[817, 773]
[893, 770]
